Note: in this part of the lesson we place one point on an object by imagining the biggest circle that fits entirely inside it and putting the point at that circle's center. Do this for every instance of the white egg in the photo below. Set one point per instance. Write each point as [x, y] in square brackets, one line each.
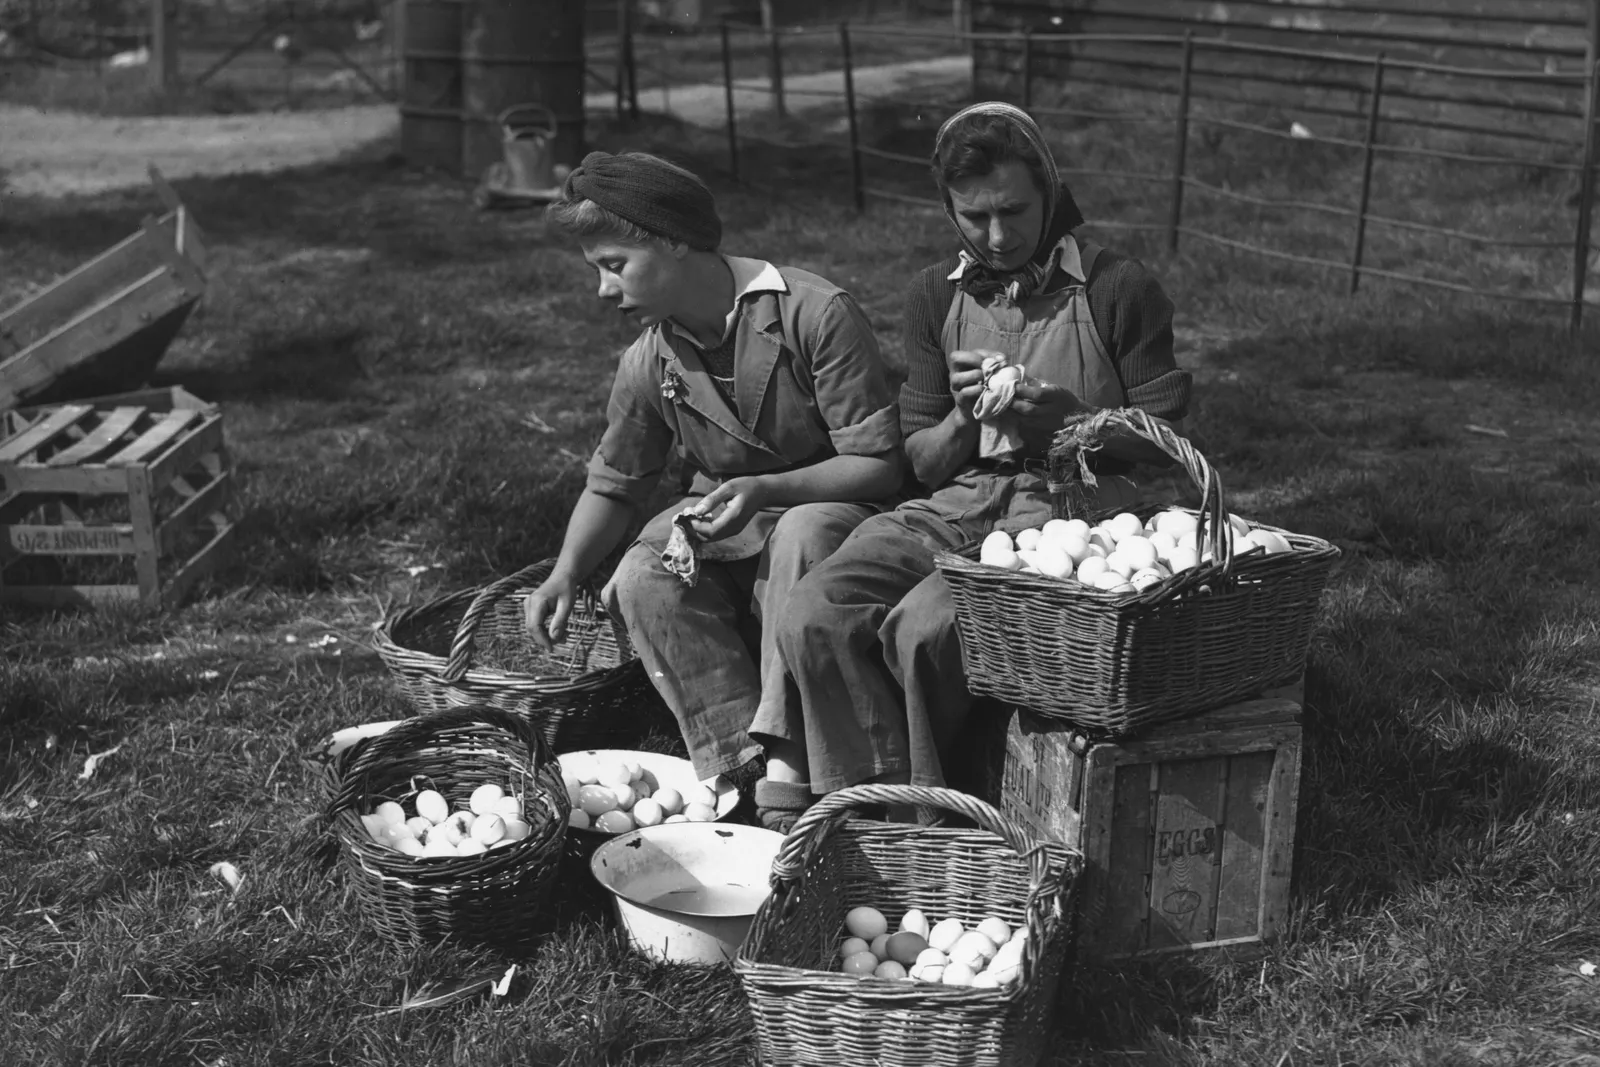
[1091, 569]
[985, 980]
[1164, 543]
[419, 826]
[1117, 563]
[449, 832]
[438, 847]
[699, 793]
[511, 807]
[375, 825]
[945, 934]
[1137, 550]
[958, 973]
[674, 818]
[932, 972]
[411, 847]
[432, 805]
[1145, 579]
[1240, 526]
[1029, 558]
[1055, 528]
[997, 541]
[391, 812]
[1124, 526]
[1076, 548]
[700, 813]
[469, 847]
[1006, 975]
[670, 799]
[1054, 562]
[631, 765]
[489, 829]
[1078, 528]
[1101, 537]
[1028, 540]
[1177, 523]
[915, 922]
[484, 798]
[647, 812]
[614, 773]
[1275, 543]
[1004, 558]
[625, 796]
[585, 770]
[995, 930]
[974, 945]
[1183, 559]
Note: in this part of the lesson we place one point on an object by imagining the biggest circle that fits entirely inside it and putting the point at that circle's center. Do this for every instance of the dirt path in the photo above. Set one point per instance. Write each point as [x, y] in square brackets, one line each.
[56, 153]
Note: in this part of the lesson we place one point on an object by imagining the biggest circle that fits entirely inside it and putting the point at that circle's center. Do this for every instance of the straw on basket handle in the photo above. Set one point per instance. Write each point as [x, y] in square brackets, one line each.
[409, 733]
[822, 818]
[1086, 431]
[467, 630]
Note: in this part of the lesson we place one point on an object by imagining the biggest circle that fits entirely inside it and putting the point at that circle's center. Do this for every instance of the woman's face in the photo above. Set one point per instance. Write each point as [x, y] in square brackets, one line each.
[641, 280]
[1001, 213]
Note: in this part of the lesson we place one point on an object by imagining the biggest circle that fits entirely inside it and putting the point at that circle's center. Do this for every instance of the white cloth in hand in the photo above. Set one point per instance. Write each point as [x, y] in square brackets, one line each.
[998, 433]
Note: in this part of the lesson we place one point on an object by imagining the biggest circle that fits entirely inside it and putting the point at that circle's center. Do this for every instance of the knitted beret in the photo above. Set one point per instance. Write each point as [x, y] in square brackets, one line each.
[650, 192]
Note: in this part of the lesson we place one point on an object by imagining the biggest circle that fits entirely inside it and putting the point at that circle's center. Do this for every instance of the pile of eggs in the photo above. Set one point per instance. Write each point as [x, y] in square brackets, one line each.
[987, 956]
[615, 796]
[491, 819]
[1119, 554]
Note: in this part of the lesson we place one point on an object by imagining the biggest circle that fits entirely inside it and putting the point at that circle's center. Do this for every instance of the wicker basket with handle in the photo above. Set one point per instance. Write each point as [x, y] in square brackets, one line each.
[1111, 663]
[471, 647]
[807, 1011]
[495, 898]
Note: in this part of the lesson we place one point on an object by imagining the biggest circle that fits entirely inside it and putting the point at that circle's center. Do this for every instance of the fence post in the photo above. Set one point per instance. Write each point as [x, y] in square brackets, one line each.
[775, 42]
[1374, 115]
[622, 55]
[1581, 243]
[727, 88]
[633, 67]
[856, 193]
[1027, 69]
[1181, 152]
[163, 47]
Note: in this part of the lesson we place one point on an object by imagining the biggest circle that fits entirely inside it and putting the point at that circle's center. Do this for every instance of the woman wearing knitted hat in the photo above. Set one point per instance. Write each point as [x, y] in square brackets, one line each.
[769, 384]
[870, 636]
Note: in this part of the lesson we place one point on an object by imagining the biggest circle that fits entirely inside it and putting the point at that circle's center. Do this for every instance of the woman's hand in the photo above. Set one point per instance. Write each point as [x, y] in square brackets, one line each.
[546, 609]
[738, 498]
[966, 377]
[1042, 409]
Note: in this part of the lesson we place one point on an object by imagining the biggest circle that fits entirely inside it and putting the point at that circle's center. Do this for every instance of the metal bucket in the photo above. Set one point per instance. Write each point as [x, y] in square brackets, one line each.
[528, 133]
[687, 893]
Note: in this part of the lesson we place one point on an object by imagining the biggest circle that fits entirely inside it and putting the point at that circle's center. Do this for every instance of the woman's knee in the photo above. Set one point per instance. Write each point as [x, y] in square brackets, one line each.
[807, 534]
[921, 625]
[637, 582]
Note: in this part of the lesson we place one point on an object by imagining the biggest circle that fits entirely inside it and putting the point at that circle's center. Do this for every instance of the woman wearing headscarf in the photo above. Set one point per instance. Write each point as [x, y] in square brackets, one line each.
[869, 638]
[770, 386]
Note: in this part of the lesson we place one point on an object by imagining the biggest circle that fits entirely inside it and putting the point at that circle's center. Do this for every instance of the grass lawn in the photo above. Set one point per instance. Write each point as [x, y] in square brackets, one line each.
[410, 384]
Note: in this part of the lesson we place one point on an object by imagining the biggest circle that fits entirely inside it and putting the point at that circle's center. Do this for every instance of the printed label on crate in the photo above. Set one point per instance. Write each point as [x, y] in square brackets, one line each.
[69, 540]
[1193, 841]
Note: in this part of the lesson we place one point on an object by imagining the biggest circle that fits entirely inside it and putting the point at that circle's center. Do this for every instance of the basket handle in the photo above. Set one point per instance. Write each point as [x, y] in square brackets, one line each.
[409, 733]
[822, 818]
[1088, 430]
[488, 596]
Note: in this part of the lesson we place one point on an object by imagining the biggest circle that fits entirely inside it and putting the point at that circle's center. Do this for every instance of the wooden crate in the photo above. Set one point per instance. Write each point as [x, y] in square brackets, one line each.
[1187, 829]
[107, 324]
[135, 488]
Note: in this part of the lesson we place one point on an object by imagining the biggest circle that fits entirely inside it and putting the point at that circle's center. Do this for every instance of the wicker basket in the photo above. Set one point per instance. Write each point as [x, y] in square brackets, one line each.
[1111, 663]
[808, 1012]
[493, 899]
[471, 647]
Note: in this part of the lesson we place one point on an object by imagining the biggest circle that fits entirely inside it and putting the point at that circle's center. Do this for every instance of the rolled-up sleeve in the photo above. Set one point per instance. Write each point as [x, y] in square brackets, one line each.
[856, 389]
[633, 452]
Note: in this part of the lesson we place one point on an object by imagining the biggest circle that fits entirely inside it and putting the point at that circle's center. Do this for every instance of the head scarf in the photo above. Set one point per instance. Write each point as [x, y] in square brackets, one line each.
[979, 277]
[648, 191]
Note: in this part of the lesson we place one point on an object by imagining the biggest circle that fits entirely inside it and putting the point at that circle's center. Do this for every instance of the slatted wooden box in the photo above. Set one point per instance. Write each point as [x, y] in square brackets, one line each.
[1187, 829]
[122, 498]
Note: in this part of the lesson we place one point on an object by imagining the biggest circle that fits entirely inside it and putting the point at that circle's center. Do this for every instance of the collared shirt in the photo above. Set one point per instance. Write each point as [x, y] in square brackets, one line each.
[750, 276]
[1066, 253]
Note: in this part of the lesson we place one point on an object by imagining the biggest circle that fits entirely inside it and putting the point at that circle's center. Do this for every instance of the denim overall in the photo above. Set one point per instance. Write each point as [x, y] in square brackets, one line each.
[876, 620]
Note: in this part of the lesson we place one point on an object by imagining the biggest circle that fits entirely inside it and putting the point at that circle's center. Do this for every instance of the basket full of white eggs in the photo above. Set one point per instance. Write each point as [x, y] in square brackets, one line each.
[966, 975]
[451, 824]
[1140, 617]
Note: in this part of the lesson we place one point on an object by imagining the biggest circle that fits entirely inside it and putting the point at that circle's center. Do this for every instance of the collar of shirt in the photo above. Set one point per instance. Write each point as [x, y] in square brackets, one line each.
[1070, 259]
[750, 276]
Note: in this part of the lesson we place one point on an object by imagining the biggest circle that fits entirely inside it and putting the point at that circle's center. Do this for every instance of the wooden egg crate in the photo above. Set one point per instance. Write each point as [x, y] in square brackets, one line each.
[120, 498]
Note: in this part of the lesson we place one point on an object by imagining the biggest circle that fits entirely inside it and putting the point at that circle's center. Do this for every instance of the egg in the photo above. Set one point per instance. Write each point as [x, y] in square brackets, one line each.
[438, 848]
[973, 949]
[932, 972]
[1240, 526]
[915, 922]
[906, 946]
[1028, 540]
[1005, 975]
[1183, 559]
[880, 946]
[1075, 548]
[631, 766]
[1109, 580]
[860, 963]
[584, 771]
[1100, 537]
[866, 923]
[958, 973]
[1009, 954]
[1275, 543]
[489, 829]
[995, 930]
[852, 945]
[463, 821]
[996, 542]
[985, 980]
[700, 813]
[945, 934]
[642, 788]
[1004, 558]
[1078, 528]
[647, 812]
[1146, 578]
[625, 796]
[674, 818]
[1176, 523]
[411, 847]
[699, 793]
[432, 805]
[1163, 543]
[390, 812]
[449, 832]
[648, 777]
[1137, 550]
[469, 847]
[930, 957]
[889, 969]
[614, 822]
[1092, 568]
[1055, 528]
[573, 784]
[1125, 525]
[1054, 562]
[613, 773]
[596, 800]
[419, 826]
[670, 799]
[580, 819]
[1117, 563]
[1096, 550]
[1030, 560]
[375, 825]
[517, 829]
[508, 807]
[484, 798]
